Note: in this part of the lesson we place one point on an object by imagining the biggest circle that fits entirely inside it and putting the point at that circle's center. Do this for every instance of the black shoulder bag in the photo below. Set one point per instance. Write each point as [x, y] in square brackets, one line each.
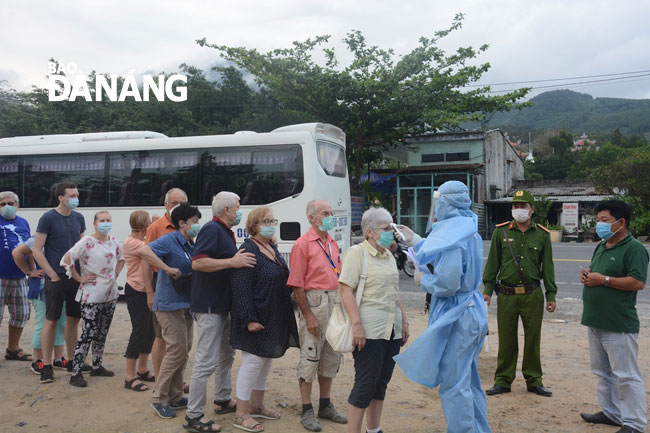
[183, 285]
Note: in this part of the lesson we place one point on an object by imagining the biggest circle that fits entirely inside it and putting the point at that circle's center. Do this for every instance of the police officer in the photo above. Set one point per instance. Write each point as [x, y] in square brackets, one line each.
[520, 256]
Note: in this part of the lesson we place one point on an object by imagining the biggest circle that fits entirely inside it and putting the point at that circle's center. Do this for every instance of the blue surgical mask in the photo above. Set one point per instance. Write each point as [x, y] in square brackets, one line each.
[238, 217]
[8, 212]
[604, 230]
[386, 238]
[267, 231]
[73, 203]
[194, 230]
[104, 227]
[327, 223]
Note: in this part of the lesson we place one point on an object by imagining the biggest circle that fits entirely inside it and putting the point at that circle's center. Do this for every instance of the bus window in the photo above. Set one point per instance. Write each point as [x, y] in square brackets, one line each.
[43, 173]
[259, 175]
[9, 176]
[332, 158]
[143, 178]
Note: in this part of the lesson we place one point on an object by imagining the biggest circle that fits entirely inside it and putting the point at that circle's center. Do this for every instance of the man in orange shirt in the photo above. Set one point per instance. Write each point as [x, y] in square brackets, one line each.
[158, 228]
[315, 267]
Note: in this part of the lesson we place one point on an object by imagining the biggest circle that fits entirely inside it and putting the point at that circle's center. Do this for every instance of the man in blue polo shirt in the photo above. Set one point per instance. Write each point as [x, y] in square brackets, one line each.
[13, 289]
[618, 270]
[214, 255]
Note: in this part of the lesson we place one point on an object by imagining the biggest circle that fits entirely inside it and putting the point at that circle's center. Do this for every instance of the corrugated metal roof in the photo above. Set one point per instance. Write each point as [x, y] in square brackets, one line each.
[561, 198]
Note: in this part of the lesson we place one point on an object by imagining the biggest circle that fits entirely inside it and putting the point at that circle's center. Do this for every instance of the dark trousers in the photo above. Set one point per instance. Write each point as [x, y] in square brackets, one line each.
[141, 338]
[373, 369]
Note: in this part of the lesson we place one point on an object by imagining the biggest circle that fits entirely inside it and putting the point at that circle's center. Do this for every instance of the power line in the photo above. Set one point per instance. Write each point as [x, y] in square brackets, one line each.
[559, 79]
[619, 79]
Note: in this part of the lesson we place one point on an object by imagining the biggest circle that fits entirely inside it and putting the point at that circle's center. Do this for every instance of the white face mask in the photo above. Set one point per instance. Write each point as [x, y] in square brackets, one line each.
[520, 215]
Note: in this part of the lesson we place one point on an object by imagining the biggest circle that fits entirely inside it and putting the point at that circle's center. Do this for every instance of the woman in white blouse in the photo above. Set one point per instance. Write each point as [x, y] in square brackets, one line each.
[101, 261]
[379, 325]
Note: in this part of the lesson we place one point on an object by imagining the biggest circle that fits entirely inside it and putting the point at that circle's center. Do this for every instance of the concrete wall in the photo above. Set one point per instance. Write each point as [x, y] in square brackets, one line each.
[473, 146]
[502, 165]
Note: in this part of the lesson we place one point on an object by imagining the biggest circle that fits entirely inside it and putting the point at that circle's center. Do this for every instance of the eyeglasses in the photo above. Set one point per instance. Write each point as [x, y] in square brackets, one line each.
[268, 222]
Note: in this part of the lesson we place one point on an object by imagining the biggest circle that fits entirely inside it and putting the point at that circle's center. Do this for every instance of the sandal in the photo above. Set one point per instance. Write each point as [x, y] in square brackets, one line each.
[265, 412]
[18, 355]
[146, 376]
[224, 407]
[254, 428]
[129, 384]
[195, 425]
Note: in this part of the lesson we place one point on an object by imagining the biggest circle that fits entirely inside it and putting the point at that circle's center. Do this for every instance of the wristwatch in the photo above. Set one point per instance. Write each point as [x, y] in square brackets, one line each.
[606, 281]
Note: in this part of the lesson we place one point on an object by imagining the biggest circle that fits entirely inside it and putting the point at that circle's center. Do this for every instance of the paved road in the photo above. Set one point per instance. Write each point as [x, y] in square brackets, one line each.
[568, 258]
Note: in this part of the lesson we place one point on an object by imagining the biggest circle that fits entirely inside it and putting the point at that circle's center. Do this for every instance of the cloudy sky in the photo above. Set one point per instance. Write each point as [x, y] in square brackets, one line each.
[529, 40]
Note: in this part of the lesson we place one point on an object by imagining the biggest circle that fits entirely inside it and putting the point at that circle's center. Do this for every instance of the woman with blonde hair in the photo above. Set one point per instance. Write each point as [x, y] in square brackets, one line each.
[139, 299]
[263, 325]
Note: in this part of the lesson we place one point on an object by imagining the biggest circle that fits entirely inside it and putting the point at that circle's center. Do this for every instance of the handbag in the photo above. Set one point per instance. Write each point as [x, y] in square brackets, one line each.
[339, 328]
[183, 285]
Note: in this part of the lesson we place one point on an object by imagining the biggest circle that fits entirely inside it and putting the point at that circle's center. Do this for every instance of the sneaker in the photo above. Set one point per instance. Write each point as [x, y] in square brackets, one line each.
[331, 413]
[163, 410]
[309, 421]
[47, 374]
[62, 363]
[101, 371]
[37, 366]
[78, 380]
[180, 404]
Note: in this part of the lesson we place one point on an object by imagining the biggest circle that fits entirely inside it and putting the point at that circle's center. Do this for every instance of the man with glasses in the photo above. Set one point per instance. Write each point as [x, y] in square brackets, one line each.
[13, 290]
[315, 267]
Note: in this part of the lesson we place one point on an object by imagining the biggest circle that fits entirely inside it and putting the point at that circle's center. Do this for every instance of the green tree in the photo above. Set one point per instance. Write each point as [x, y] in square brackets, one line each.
[378, 99]
[629, 176]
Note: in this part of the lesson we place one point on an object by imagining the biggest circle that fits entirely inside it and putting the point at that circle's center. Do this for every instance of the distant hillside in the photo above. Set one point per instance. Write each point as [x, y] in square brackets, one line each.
[578, 112]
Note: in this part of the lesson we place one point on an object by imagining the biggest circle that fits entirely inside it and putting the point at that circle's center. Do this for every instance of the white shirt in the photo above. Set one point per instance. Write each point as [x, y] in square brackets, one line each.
[99, 258]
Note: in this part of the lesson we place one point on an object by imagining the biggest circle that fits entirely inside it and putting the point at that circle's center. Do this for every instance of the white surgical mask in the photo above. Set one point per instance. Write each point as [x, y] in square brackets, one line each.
[520, 215]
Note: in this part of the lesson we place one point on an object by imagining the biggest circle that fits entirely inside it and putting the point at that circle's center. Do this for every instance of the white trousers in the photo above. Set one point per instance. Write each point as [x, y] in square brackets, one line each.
[252, 375]
[614, 361]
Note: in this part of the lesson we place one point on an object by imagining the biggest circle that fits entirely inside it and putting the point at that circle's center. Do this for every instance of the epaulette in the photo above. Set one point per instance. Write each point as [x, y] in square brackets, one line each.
[503, 224]
[543, 228]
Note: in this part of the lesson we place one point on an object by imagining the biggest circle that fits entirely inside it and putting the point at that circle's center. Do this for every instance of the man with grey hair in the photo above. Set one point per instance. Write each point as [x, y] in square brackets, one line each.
[215, 254]
[14, 230]
[315, 267]
[158, 228]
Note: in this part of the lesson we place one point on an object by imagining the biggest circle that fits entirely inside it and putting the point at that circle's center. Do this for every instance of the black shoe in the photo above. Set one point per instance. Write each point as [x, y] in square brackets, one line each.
[497, 389]
[47, 374]
[540, 390]
[78, 380]
[85, 368]
[598, 418]
[101, 371]
[628, 429]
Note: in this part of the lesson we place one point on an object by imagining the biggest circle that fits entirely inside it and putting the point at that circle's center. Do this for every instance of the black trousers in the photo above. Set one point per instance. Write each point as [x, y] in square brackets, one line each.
[141, 338]
[373, 369]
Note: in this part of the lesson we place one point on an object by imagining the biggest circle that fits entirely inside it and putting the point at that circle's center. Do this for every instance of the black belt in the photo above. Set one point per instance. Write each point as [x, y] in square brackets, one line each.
[519, 289]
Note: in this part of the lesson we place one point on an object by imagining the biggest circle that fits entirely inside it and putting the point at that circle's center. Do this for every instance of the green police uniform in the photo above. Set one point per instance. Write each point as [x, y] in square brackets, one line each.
[534, 254]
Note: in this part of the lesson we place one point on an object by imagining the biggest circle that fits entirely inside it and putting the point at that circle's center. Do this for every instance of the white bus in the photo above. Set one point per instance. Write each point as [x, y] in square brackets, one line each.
[124, 171]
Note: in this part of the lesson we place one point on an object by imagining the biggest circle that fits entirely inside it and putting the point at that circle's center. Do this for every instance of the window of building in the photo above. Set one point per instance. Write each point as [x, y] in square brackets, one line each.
[457, 156]
[433, 157]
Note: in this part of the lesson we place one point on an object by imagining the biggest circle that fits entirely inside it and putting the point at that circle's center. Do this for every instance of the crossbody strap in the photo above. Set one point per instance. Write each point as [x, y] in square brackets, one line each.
[514, 258]
[363, 276]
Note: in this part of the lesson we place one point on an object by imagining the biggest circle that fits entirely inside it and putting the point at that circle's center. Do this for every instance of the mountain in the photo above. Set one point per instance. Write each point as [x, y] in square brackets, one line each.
[577, 112]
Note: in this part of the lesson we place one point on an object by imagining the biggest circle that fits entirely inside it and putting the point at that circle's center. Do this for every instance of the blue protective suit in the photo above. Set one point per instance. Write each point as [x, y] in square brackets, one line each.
[446, 353]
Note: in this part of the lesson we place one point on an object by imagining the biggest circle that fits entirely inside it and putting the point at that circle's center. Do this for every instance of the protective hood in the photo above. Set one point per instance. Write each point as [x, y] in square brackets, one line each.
[456, 223]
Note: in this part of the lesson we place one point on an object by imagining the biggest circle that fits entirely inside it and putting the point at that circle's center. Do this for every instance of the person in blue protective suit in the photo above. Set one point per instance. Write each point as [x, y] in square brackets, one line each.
[446, 353]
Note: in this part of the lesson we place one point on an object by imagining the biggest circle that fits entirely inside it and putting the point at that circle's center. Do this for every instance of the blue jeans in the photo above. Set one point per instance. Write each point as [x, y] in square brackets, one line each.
[620, 388]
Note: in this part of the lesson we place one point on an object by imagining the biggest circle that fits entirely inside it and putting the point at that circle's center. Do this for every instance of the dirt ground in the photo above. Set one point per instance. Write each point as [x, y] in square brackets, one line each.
[106, 406]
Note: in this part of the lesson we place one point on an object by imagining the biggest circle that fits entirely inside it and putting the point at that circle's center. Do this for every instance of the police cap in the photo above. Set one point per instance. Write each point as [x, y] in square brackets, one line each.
[522, 196]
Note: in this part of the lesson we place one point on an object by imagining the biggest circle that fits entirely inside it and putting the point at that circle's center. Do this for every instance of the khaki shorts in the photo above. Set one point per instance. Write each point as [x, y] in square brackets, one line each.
[317, 358]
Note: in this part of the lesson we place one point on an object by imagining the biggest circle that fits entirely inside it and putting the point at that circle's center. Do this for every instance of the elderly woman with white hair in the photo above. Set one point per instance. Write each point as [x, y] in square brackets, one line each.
[379, 325]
